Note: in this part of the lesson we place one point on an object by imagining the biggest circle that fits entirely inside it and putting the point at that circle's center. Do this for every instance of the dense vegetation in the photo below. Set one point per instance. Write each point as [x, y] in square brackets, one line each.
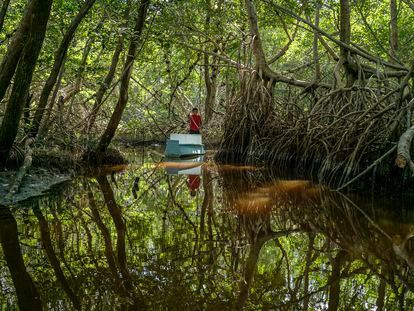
[320, 85]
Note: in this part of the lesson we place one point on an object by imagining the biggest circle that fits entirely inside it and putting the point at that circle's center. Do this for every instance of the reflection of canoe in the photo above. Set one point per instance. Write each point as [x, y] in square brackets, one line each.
[183, 166]
[184, 145]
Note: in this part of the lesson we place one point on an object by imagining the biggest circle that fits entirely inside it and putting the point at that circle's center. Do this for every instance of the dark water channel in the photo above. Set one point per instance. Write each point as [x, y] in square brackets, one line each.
[203, 236]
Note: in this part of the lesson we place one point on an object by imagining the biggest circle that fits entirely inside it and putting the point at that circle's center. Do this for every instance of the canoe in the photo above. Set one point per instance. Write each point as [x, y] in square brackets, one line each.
[184, 145]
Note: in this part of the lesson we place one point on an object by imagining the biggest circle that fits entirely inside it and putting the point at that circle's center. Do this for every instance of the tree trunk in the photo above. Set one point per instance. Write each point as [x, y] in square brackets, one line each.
[258, 52]
[106, 83]
[3, 12]
[9, 127]
[125, 78]
[393, 31]
[210, 74]
[79, 74]
[14, 50]
[345, 37]
[28, 297]
[111, 73]
[60, 56]
[211, 87]
[45, 124]
[315, 44]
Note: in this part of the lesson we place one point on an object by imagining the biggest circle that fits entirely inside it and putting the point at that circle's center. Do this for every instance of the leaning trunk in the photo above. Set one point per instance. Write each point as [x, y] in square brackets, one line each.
[125, 78]
[59, 59]
[23, 78]
[14, 50]
[106, 83]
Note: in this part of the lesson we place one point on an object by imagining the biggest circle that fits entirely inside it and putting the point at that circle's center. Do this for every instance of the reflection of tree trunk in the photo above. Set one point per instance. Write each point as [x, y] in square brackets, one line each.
[54, 261]
[306, 272]
[109, 253]
[116, 215]
[27, 295]
[381, 295]
[207, 205]
[61, 241]
[250, 268]
[335, 280]
[203, 214]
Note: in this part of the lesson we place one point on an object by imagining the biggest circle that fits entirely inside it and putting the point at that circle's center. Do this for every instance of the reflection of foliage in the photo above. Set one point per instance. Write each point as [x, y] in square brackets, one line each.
[244, 240]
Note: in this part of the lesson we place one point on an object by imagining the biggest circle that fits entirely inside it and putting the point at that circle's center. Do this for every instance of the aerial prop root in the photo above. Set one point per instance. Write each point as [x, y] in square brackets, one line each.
[338, 135]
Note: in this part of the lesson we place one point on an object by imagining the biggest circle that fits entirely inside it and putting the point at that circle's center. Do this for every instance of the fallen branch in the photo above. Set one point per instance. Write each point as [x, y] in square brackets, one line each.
[14, 188]
[403, 153]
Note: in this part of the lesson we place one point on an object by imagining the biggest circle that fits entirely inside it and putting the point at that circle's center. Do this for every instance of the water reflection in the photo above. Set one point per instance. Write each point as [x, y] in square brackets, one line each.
[28, 297]
[138, 239]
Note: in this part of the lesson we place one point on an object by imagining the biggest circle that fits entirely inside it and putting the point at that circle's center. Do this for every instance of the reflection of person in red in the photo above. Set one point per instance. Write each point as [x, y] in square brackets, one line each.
[194, 121]
[193, 184]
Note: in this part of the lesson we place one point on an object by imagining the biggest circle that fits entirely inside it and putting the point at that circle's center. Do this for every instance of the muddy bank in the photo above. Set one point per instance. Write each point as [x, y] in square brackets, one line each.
[49, 168]
[37, 182]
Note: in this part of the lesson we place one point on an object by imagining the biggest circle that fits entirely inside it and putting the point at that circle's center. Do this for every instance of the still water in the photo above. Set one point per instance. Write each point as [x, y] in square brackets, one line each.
[203, 236]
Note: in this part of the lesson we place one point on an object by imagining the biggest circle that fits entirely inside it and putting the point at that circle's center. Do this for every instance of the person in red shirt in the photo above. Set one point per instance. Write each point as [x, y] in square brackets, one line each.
[194, 121]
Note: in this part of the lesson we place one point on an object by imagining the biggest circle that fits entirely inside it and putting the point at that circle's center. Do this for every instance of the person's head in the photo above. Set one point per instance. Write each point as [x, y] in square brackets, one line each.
[195, 110]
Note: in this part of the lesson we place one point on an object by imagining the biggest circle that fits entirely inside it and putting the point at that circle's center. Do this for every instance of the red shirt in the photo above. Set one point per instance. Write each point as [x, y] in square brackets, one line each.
[193, 182]
[195, 122]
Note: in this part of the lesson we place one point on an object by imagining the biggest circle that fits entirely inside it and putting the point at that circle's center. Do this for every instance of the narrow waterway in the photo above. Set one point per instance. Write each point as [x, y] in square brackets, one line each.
[196, 235]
